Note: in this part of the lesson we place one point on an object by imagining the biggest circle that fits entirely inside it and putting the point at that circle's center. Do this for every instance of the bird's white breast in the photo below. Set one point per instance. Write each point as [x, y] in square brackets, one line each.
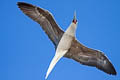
[67, 38]
[65, 42]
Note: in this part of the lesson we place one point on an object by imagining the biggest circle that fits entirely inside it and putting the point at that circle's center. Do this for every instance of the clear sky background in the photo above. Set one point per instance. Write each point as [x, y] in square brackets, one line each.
[26, 51]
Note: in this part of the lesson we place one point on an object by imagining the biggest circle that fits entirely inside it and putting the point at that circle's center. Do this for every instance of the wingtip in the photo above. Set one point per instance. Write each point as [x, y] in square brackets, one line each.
[114, 73]
[19, 3]
[111, 69]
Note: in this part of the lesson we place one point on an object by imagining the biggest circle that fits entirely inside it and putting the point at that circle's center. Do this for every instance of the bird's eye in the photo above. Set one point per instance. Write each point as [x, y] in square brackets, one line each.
[74, 21]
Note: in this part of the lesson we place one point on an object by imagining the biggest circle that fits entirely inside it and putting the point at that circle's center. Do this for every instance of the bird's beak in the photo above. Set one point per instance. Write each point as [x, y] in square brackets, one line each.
[74, 19]
[75, 15]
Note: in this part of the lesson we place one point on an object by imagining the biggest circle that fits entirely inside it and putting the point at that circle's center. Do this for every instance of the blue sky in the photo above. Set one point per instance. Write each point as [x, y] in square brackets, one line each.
[26, 51]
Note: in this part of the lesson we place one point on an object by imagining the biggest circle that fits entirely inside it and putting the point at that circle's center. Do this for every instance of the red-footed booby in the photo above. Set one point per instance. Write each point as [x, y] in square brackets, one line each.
[65, 42]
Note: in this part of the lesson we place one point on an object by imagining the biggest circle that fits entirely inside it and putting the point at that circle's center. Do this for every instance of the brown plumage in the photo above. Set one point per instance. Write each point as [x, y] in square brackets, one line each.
[77, 51]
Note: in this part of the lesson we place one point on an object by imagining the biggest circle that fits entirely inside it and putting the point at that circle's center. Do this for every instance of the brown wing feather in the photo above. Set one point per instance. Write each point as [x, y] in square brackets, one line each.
[44, 18]
[90, 57]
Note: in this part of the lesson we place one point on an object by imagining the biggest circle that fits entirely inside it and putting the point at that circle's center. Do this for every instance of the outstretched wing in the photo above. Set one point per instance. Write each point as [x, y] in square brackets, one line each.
[45, 19]
[90, 57]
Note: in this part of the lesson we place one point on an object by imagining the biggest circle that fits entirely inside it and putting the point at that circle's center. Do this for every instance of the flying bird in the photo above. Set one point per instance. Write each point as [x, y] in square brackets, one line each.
[66, 44]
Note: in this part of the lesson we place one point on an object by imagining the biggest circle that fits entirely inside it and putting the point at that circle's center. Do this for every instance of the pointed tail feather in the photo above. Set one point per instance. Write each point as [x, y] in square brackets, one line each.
[52, 64]
[56, 58]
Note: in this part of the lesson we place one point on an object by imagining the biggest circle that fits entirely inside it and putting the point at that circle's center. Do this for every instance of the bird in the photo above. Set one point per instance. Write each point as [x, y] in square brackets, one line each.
[65, 42]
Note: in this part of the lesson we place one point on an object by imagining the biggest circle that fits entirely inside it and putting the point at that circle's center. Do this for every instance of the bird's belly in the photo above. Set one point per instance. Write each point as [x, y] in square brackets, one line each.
[65, 42]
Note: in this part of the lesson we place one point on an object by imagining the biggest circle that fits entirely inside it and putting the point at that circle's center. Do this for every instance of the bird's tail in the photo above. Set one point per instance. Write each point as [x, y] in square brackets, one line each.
[56, 58]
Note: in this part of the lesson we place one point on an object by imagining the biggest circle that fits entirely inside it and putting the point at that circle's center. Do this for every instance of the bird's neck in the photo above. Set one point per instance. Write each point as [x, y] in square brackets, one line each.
[71, 29]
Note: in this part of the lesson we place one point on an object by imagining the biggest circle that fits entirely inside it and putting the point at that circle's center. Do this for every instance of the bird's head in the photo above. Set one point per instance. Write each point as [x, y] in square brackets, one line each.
[72, 28]
[74, 19]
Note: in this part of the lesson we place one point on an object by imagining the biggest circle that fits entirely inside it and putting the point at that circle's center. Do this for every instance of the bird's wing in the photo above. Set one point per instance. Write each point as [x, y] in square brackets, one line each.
[45, 19]
[90, 57]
